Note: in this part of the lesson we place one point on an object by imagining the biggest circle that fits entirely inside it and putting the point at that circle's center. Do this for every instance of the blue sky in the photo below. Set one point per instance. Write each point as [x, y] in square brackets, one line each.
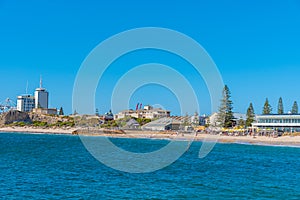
[255, 45]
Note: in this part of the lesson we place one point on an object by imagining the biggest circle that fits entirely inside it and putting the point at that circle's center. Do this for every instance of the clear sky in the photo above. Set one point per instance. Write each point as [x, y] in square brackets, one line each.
[255, 45]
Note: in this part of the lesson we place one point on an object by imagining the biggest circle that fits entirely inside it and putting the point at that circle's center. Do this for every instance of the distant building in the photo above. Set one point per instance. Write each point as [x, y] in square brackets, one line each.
[48, 111]
[25, 103]
[132, 124]
[195, 119]
[108, 116]
[162, 124]
[202, 120]
[152, 113]
[239, 116]
[148, 112]
[41, 97]
[285, 122]
[213, 119]
[126, 113]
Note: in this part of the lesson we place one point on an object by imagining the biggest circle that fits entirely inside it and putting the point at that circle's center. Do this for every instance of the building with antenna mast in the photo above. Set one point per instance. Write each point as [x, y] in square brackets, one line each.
[25, 102]
[37, 103]
[41, 96]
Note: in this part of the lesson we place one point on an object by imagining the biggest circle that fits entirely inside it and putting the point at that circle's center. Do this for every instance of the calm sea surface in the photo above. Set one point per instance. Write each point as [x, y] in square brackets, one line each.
[59, 167]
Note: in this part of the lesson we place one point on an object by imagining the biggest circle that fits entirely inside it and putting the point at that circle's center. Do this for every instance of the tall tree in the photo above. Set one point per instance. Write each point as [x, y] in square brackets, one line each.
[295, 108]
[225, 115]
[241, 122]
[250, 115]
[267, 108]
[280, 107]
[61, 111]
[186, 120]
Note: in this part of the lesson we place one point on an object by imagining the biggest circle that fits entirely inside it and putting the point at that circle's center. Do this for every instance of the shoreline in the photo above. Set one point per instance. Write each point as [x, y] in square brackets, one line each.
[37, 130]
[284, 141]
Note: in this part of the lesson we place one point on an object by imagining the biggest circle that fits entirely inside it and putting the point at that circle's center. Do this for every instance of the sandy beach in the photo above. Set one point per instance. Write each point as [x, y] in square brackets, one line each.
[37, 130]
[257, 140]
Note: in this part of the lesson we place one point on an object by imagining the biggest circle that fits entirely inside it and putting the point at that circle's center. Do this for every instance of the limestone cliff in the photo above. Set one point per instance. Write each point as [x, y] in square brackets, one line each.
[29, 118]
[14, 116]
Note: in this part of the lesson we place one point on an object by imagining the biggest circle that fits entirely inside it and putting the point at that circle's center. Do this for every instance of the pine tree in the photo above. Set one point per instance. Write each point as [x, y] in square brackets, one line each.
[225, 115]
[250, 115]
[280, 107]
[267, 108]
[186, 120]
[295, 108]
[195, 118]
[61, 111]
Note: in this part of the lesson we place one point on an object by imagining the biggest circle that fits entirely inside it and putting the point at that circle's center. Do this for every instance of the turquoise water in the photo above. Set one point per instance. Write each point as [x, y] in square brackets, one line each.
[59, 167]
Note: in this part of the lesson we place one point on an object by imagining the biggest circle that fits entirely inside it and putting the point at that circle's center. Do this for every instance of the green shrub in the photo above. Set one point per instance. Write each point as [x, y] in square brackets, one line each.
[18, 124]
[39, 123]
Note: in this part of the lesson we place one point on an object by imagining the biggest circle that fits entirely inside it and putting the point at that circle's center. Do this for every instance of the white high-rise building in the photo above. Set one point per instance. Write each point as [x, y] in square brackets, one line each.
[25, 103]
[28, 103]
[41, 97]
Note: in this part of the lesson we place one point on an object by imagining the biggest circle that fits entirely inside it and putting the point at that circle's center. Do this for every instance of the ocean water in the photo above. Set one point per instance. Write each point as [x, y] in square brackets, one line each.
[36, 166]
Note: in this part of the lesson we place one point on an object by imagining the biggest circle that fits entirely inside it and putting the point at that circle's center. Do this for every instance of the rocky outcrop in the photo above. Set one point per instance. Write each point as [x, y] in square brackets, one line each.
[29, 118]
[50, 119]
[14, 116]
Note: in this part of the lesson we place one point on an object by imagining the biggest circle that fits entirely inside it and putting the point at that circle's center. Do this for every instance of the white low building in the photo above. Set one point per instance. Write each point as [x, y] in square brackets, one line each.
[148, 112]
[285, 122]
[125, 113]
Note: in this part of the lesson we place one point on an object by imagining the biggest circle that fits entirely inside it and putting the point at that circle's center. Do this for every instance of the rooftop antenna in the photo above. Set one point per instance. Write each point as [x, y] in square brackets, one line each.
[41, 81]
[27, 87]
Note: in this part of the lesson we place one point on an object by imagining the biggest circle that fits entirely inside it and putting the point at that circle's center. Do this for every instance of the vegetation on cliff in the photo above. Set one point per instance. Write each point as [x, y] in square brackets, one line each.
[21, 119]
